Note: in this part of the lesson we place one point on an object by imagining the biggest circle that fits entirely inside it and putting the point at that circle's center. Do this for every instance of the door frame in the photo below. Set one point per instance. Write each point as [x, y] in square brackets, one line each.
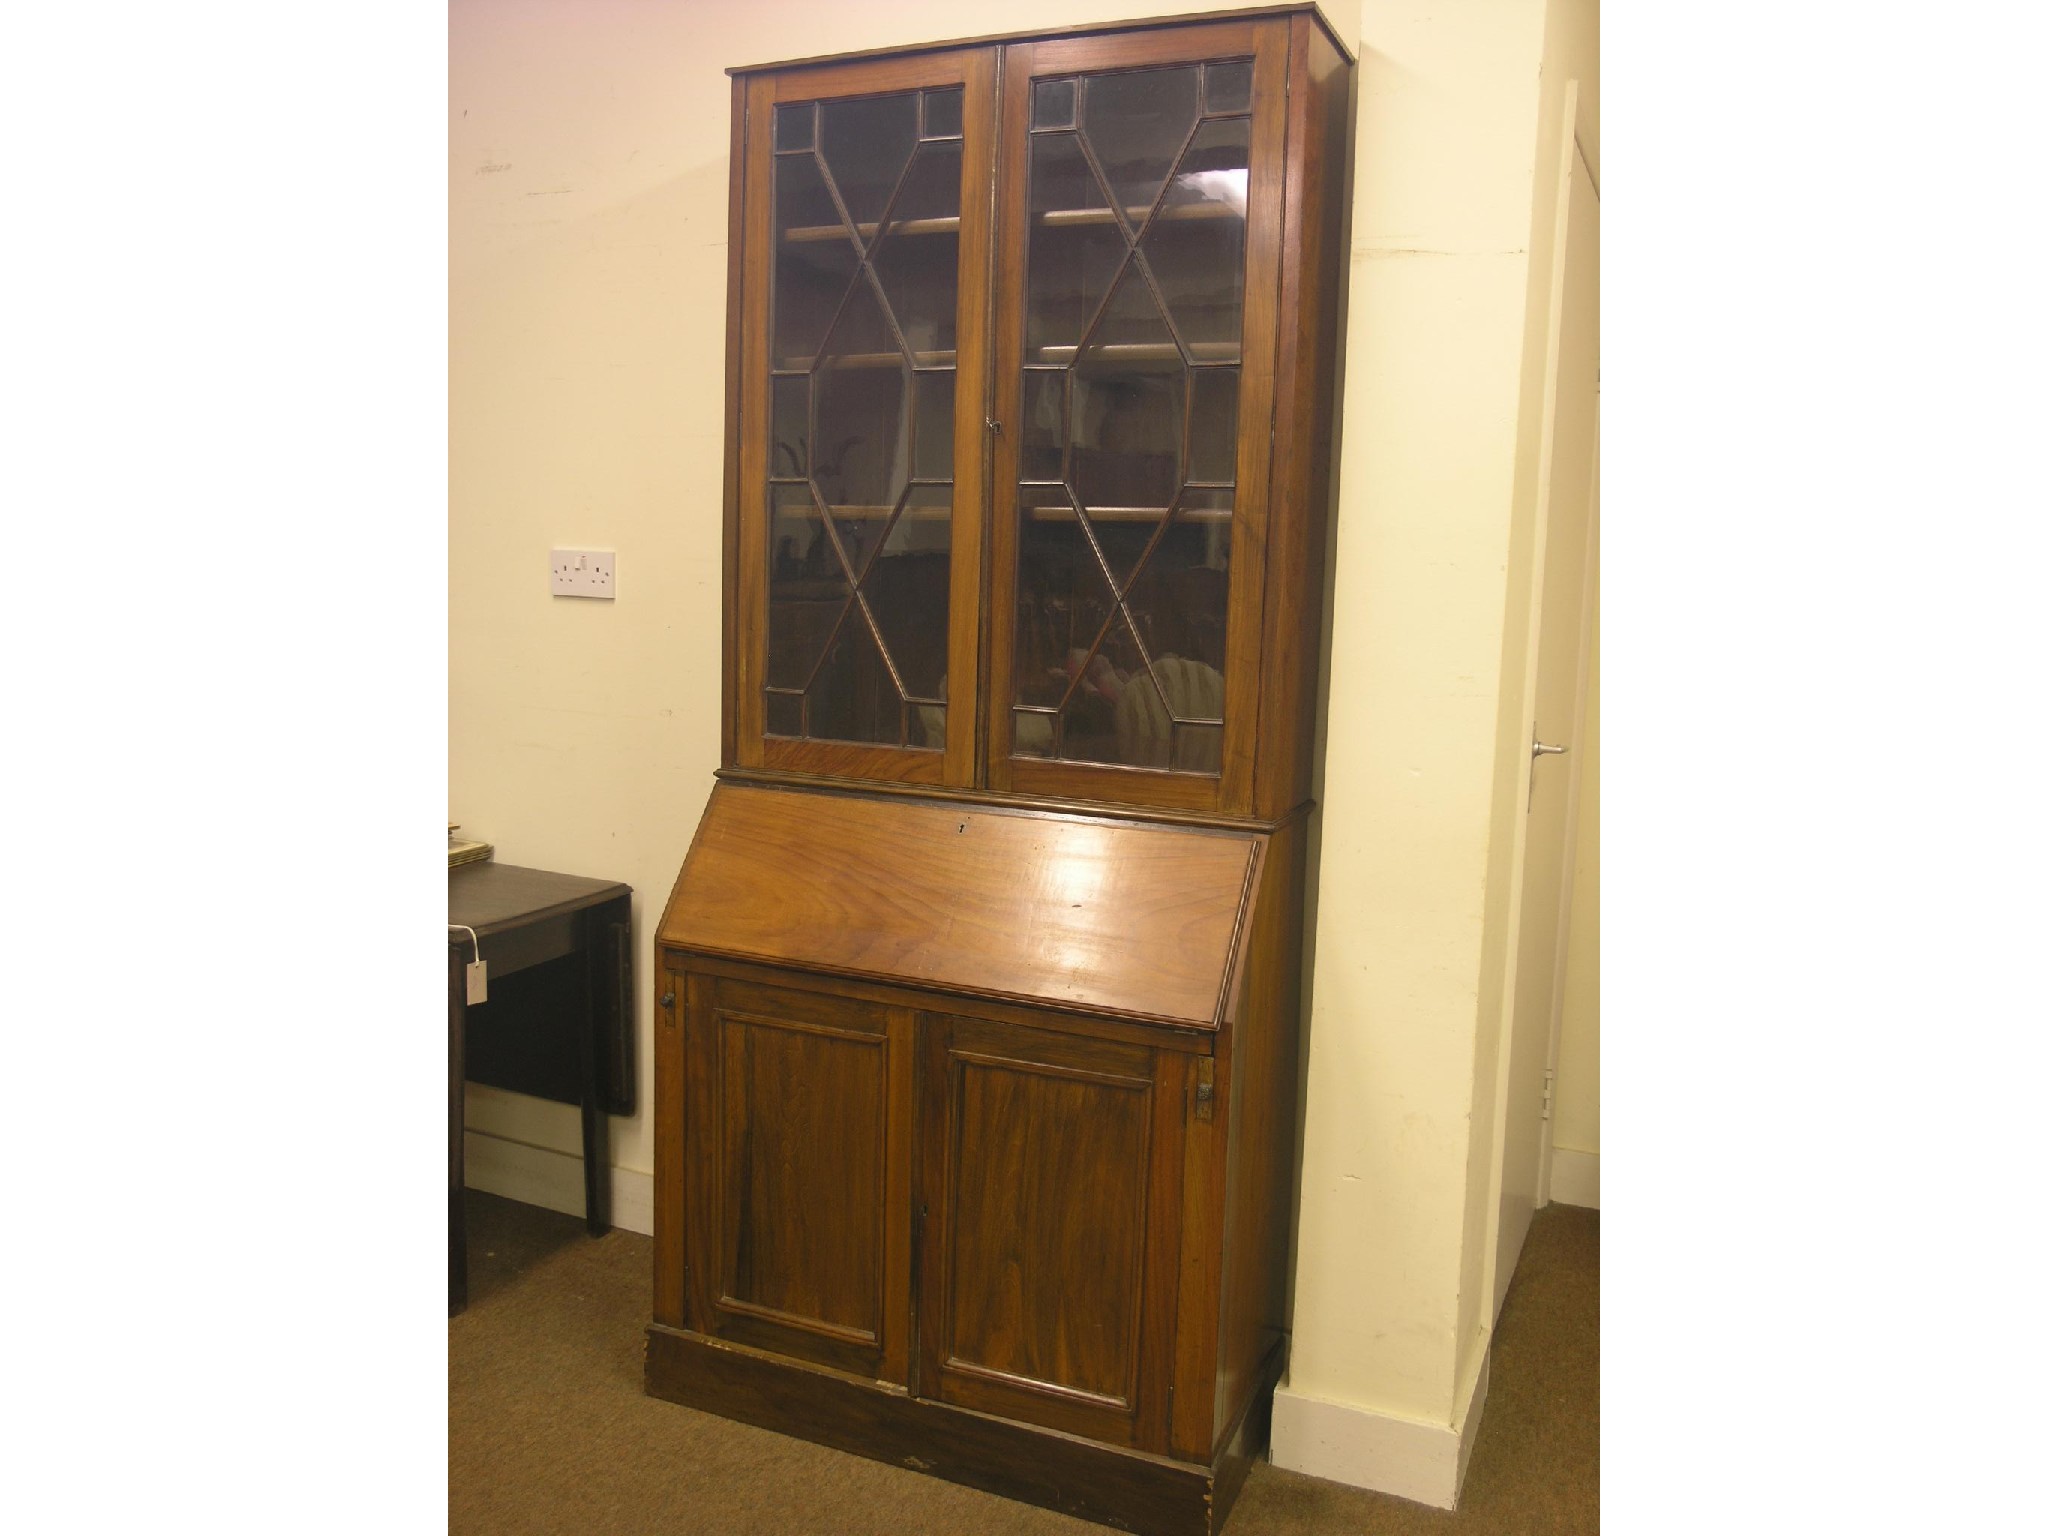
[1498, 1266]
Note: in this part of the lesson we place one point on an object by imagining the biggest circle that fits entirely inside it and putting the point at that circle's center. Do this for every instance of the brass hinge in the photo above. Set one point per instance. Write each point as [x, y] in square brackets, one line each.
[1205, 1088]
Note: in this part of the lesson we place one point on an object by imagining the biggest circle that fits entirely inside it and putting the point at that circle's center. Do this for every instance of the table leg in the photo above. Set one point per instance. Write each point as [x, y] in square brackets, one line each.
[597, 1171]
[458, 1231]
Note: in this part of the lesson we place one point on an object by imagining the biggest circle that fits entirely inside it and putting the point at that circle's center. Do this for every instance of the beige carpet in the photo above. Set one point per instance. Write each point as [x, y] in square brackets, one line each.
[548, 1431]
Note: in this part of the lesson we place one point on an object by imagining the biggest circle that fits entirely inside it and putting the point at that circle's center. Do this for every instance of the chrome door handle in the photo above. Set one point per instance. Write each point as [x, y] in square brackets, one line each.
[1544, 748]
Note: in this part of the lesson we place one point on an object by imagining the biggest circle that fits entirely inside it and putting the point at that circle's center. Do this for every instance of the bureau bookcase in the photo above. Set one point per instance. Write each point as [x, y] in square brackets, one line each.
[976, 1060]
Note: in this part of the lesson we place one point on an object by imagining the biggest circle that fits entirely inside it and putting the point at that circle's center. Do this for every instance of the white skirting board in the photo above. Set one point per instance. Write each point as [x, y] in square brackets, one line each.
[552, 1180]
[1575, 1177]
[1381, 1451]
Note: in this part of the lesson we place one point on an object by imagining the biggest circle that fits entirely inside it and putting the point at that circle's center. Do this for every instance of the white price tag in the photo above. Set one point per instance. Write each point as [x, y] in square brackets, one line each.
[477, 989]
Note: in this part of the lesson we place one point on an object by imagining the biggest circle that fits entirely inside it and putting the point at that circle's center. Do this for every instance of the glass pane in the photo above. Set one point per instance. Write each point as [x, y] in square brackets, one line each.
[1136, 123]
[1212, 425]
[866, 144]
[1076, 249]
[807, 586]
[862, 456]
[815, 262]
[931, 189]
[1111, 715]
[793, 124]
[1124, 534]
[1141, 321]
[909, 588]
[918, 263]
[861, 418]
[1030, 733]
[1198, 748]
[1227, 87]
[1180, 602]
[1196, 243]
[1063, 599]
[1052, 104]
[942, 113]
[790, 429]
[1042, 436]
[932, 450]
[853, 697]
[1129, 404]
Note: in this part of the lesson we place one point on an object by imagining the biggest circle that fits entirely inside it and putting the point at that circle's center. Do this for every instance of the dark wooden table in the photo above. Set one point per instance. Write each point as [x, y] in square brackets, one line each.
[558, 1020]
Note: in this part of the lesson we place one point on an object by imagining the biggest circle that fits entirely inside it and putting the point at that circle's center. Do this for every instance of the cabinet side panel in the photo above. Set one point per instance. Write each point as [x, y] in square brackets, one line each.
[1263, 1055]
[1307, 420]
[735, 271]
[1200, 1281]
[668, 1150]
[747, 597]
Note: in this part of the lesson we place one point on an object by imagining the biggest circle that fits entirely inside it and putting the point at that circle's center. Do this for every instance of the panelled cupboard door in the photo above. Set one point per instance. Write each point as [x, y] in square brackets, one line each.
[1049, 1195]
[863, 363]
[1138, 245]
[796, 1153]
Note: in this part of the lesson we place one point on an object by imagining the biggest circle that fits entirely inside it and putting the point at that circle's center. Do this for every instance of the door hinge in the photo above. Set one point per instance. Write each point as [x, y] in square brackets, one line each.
[1205, 1088]
[1549, 1089]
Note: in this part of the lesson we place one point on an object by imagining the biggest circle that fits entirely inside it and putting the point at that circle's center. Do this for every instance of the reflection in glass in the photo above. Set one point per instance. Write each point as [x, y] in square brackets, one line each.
[861, 331]
[1195, 247]
[1134, 304]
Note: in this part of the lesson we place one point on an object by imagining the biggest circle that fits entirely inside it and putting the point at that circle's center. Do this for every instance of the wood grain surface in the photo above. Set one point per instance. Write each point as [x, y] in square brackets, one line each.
[1037, 1197]
[1127, 919]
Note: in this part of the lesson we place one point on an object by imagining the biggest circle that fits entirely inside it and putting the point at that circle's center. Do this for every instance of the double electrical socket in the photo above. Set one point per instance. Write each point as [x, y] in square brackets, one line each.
[581, 573]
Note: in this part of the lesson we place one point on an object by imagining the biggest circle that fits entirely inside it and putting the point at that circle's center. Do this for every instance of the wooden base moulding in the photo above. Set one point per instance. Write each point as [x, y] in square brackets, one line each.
[1128, 1490]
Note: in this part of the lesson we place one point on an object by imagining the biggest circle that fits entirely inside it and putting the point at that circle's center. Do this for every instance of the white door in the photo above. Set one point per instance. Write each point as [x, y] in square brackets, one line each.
[1566, 538]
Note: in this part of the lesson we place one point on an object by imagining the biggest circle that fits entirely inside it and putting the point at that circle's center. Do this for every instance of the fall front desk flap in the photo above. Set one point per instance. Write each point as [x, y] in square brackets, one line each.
[1101, 916]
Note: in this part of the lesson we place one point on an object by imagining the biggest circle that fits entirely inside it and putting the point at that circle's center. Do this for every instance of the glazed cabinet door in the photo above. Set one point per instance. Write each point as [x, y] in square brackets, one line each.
[795, 1148]
[1049, 1219]
[1137, 273]
[864, 225]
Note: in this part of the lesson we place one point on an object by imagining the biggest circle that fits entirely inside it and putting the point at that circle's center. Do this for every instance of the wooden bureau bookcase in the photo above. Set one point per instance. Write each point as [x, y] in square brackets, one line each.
[976, 1060]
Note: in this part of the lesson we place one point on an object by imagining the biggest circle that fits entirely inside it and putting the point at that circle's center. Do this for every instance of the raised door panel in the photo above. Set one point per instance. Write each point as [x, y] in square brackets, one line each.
[1051, 1223]
[1140, 209]
[798, 1148]
[862, 367]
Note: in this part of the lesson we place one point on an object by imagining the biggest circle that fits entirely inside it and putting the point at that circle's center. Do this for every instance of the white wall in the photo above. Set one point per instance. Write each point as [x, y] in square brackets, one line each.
[588, 185]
